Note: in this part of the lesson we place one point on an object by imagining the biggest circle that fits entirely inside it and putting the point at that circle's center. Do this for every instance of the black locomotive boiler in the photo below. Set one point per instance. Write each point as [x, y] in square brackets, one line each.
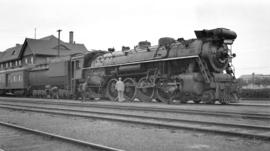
[196, 69]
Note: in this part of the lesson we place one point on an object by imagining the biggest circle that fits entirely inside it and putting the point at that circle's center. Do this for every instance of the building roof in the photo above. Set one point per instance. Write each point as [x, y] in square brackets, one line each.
[50, 47]
[1, 53]
[50, 37]
[10, 53]
[44, 46]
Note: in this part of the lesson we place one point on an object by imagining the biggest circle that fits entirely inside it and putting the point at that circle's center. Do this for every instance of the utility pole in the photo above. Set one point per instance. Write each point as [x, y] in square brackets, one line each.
[35, 33]
[59, 30]
[253, 80]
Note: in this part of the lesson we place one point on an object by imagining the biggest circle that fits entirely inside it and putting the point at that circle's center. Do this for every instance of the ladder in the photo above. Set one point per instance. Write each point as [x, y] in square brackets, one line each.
[204, 70]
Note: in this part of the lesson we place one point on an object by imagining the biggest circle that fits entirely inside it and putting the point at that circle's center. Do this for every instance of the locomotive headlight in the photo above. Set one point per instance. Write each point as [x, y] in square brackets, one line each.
[228, 41]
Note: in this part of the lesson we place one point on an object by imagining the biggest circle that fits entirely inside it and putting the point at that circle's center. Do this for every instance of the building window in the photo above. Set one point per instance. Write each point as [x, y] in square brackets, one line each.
[25, 60]
[32, 60]
[6, 65]
[20, 78]
[78, 64]
[14, 78]
[10, 64]
[20, 62]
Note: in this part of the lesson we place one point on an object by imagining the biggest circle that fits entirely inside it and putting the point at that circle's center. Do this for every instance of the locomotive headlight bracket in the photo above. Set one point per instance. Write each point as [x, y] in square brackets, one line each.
[231, 55]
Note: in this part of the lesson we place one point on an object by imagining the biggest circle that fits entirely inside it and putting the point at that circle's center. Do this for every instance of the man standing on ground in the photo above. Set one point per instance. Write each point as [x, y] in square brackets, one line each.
[54, 92]
[120, 87]
[84, 90]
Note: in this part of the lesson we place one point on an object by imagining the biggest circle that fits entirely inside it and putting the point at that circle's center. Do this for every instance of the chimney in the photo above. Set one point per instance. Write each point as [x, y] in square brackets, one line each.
[71, 37]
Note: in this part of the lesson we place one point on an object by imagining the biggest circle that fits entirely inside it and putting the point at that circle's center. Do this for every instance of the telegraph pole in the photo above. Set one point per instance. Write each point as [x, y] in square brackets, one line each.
[59, 30]
[253, 80]
[35, 33]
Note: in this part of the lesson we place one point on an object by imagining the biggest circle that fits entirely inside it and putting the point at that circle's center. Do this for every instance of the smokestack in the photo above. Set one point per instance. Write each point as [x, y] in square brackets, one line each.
[71, 37]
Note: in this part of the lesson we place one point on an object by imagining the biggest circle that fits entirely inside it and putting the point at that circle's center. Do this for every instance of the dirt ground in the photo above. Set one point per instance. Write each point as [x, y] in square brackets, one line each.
[16, 140]
[130, 136]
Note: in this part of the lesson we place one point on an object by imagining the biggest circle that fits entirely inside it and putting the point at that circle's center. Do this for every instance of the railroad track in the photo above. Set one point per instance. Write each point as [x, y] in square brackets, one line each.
[118, 106]
[59, 138]
[231, 104]
[251, 104]
[250, 131]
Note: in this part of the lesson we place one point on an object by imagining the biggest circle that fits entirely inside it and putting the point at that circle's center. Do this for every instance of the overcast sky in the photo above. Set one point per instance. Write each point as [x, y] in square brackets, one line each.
[101, 24]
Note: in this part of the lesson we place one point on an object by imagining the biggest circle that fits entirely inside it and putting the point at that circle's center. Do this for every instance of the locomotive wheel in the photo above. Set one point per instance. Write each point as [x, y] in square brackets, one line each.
[184, 100]
[111, 92]
[162, 91]
[208, 97]
[197, 101]
[93, 92]
[145, 90]
[130, 89]
[224, 98]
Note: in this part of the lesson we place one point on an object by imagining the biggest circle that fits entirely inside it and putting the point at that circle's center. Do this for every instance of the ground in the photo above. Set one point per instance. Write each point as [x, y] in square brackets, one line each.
[129, 136]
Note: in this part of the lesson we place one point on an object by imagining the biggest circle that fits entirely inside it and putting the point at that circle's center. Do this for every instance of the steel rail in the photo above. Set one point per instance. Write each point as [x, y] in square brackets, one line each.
[59, 137]
[164, 123]
[231, 104]
[250, 104]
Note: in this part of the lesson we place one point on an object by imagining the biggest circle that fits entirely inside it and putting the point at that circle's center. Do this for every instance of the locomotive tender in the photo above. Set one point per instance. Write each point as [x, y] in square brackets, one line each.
[195, 69]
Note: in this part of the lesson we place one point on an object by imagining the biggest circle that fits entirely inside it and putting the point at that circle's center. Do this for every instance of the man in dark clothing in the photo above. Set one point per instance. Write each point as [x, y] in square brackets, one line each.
[84, 90]
[54, 92]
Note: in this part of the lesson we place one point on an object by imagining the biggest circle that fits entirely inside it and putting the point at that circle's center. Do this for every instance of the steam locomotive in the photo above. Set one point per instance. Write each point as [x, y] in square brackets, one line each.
[196, 69]
[174, 70]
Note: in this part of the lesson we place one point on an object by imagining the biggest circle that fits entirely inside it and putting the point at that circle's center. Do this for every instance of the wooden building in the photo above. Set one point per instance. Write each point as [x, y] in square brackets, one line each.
[38, 52]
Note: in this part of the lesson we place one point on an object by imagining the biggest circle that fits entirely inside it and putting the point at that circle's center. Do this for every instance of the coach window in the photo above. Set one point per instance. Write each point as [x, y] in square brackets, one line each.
[48, 59]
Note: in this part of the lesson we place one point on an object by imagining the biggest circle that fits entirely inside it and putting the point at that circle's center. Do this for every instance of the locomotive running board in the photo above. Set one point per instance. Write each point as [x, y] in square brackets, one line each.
[176, 58]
